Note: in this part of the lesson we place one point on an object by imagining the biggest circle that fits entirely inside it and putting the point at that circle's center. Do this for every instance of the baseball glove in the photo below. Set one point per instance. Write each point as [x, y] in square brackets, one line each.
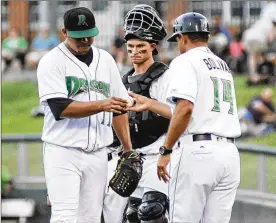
[128, 173]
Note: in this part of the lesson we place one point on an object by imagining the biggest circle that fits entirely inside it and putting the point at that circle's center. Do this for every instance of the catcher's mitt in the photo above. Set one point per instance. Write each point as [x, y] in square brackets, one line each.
[128, 173]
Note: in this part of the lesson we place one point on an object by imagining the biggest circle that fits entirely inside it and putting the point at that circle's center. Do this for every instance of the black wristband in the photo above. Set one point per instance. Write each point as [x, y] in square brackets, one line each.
[164, 151]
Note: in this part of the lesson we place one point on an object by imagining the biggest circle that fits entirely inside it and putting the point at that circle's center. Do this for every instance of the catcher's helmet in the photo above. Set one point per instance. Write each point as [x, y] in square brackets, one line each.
[191, 22]
[144, 22]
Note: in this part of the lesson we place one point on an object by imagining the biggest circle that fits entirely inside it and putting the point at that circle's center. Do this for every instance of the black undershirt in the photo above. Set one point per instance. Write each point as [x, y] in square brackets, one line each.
[86, 58]
[57, 105]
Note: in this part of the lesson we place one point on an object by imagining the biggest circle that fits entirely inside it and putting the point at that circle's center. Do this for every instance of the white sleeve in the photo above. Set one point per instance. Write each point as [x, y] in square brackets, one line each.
[153, 90]
[51, 80]
[158, 88]
[183, 81]
[117, 87]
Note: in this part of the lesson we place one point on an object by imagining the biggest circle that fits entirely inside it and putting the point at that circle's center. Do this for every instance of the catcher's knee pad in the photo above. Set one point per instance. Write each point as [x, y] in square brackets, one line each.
[154, 207]
[132, 209]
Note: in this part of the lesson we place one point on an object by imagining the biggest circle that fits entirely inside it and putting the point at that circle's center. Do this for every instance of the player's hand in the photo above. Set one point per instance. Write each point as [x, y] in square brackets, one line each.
[114, 104]
[142, 103]
[162, 167]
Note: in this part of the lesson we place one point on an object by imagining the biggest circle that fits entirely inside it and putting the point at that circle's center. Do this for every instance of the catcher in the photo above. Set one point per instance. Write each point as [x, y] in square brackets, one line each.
[149, 118]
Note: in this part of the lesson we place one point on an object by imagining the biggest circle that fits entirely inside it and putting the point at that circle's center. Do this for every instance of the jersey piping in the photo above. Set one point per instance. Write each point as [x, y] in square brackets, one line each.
[96, 130]
[53, 94]
[88, 95]
[176, 183]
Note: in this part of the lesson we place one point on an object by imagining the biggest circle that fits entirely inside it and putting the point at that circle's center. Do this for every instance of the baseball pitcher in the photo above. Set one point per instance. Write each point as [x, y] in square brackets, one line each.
[81, 88]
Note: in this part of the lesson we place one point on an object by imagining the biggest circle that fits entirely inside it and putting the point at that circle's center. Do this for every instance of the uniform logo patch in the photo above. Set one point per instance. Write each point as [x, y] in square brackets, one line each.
[204, 24]
[77, 86]
[82, 20]
[174, 91]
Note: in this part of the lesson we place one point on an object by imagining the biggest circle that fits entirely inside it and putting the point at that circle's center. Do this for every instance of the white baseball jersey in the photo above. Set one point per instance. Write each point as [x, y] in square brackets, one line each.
[61, 75]
[204, 79]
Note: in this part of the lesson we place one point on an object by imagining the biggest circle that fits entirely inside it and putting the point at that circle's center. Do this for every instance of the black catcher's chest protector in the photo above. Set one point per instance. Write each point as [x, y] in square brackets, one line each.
[145, 127]
[142, 85]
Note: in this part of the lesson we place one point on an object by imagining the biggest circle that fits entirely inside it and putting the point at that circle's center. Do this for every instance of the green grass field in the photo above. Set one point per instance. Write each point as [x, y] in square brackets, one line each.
[17, 101]
[19, 98]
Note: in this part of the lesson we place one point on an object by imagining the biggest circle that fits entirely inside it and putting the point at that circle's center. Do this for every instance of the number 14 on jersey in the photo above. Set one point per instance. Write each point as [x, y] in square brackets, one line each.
[227, 94]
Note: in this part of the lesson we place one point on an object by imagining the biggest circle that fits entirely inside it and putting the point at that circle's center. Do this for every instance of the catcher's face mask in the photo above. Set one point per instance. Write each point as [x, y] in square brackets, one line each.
[144, 22]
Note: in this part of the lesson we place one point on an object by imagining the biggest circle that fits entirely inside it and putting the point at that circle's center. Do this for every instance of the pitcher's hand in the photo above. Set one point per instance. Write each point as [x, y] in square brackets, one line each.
[114, 104]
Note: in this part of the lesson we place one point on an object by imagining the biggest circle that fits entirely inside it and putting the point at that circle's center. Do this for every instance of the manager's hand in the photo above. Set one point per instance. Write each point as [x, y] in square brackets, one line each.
[162, 167]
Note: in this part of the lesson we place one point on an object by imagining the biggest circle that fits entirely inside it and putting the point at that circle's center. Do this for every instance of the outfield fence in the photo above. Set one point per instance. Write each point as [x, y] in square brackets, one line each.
[23, 177]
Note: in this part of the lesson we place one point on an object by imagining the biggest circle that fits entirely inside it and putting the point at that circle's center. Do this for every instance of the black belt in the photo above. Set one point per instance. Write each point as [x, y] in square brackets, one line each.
[109, 155]
[200, 137]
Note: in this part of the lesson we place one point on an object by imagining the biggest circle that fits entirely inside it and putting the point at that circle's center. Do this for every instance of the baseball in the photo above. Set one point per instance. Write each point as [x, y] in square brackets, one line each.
[130, 102]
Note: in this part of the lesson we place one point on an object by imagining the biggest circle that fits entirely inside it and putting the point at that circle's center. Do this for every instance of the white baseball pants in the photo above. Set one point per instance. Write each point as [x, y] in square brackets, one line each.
[76, 182]
[205, 177]
[149, 180]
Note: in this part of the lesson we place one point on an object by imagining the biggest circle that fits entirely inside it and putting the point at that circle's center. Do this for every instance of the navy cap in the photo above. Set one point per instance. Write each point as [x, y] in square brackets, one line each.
[80, 23]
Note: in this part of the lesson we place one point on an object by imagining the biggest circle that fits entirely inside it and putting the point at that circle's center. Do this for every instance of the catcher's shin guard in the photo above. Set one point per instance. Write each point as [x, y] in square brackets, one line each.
[132, 209]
